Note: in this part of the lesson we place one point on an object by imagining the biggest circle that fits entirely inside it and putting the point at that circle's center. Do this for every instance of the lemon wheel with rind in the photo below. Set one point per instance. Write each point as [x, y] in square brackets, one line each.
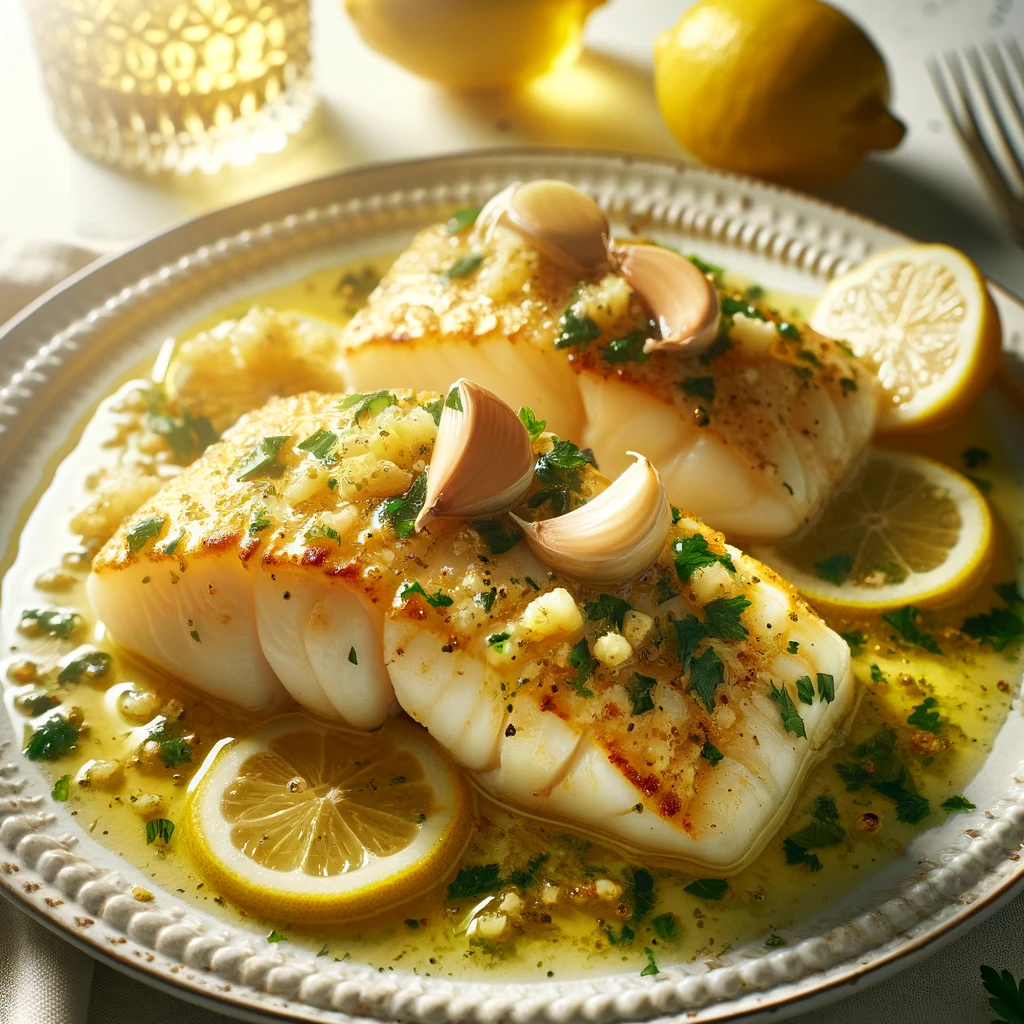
[904, 529]
[922, 318]
[303, 823]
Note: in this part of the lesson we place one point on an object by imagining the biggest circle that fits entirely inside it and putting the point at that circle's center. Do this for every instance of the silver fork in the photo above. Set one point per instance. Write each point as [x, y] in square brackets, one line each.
[985, 111]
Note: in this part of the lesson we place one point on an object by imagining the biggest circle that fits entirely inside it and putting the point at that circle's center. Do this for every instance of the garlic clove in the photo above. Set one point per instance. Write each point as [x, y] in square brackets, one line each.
[559, 221]
[483, 457]
[613, 539]
[679, 297]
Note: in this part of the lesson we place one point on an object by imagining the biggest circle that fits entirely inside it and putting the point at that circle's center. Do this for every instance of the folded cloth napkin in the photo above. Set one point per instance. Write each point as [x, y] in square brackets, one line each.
[44, 980]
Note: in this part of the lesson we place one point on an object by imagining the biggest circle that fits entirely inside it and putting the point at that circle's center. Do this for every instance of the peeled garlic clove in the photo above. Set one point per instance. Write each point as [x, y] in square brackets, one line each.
[483, 457]
[559, 221]
[613, 539]
[679, 297]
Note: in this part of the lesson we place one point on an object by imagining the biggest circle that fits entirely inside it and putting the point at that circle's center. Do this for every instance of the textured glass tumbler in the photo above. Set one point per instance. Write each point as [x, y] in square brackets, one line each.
[176, 85]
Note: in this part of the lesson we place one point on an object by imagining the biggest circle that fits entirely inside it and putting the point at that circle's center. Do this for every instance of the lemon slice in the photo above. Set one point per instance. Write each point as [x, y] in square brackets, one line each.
[303, 823]
[904, 530]
[921, 316]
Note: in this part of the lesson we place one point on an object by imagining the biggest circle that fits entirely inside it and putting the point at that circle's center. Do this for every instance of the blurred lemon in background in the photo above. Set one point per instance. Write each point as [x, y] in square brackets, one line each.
[790, 90]
[469, 44]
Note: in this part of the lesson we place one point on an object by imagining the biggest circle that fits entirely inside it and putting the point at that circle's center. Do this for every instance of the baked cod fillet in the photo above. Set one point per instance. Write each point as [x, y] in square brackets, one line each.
[676, 715]
[749, 435]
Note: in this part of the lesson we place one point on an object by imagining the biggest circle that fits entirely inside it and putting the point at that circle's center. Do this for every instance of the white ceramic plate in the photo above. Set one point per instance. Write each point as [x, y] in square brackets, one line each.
[61, 356]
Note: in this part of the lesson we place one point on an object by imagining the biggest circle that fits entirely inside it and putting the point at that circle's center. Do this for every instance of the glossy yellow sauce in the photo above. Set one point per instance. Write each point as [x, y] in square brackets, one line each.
[572, 934]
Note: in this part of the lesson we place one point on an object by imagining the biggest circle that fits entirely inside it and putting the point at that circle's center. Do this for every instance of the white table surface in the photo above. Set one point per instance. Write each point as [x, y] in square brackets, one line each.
[372, 110]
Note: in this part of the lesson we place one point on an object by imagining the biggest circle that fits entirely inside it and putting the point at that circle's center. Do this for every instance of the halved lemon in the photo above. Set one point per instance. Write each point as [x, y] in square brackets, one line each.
[303, 823]
[903, 530]
[921, 316]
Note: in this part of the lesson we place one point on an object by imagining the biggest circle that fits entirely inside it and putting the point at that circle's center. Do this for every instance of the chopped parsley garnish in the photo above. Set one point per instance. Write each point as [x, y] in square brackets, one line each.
[175, 750]
[319, 445]
[665, 591]
[848, 384]
[172, 545]
[722, 344]
[534, 426]
[159, 828]
[141, 533]
[525, 877]
[352, 656]
[708, 888]
[711, 753]
[91, 663]
[690, 631]
[576, 329]
[876, 764]
[641, 893]
[796, 854]
[808, 356]
[496, 535]
[791, 720]
[925, 717]
[276, 936]
[532, 583]
[999, 626]
[957, 804]
[665, 926]
[629, 349]
[692, 553]
[187, 436]
[61, 789]
[789, 331]
[877, 675]
[774, 940]
[974, 457]
[677, 514]
[53, 624]
[486, 598]
[805, 690]
[369, 404]
[855, 640]
[824, 830]
[699, 387]
[709, 269]
[652, 966]
[826, 687]
[559, 471]
[1007, 995]
[401, 512]
[479, 879]
[454, 400]
[638, 689]
[706, 675]
[499, 641]
[803, 372]
[722, 617]
[904, 621]
[609, 607]
[263, 460]
[434, 407]
[793, 647]
[463, 267]
[835, 569]
[462, 219]
[439, 599]
[321, 531]
[584, 662]
[260, 523]
[194, 633]
[52, 740]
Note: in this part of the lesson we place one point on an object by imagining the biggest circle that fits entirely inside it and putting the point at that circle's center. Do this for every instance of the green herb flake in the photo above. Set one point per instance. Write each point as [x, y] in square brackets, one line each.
[435, 407]
[999, 626]
[652, 967]
[793, 647]
[527, 876]
[974, 457]
[877, 675]
[321, 531]
[638, 689]
[463, 267]
[53, 623]
[665, 591]
[534, 426]
[324, 950]
[159, 828]
[263, 460]
[609, 607]
[485, 599]
[401, 512]
[692, 553]
[52, 740]
[370, 404]
[791, 720]
[475, 881]
[454, 400]
[711, 270]
[175, 750]
[877, 765]
[805, 690]
[824, 830]
[957, 804]
[835, 569]
[575, 329]
[352, 656]
[722, 617]
[677, 514]
[320, 445]
[496, 535]
[925, 717]
[826, 687]
[93, 664]
[904, 621]
[62, 789]
[737, 307]
[584, 662]
[411, 923]
[260, 523]
[699, 387]
[276, 936]
[797, 854]
[711, 753]
[848, 384]
[789, 331]
[499, 641]
[462, 219]
[774, 940]
[629, 349]
[141, 533]
[855, 641]
[708, 888]
[439, 599]
[690, 631]
[706, 675]
[666, 926]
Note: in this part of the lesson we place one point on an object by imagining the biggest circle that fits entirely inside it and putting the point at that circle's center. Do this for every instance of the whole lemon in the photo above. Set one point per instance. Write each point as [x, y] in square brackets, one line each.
[790, 90]
[469, 44]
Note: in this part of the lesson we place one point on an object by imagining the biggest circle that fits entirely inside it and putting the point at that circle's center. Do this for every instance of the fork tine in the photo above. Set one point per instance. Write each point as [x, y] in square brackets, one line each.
[995, 57]
[996, 111]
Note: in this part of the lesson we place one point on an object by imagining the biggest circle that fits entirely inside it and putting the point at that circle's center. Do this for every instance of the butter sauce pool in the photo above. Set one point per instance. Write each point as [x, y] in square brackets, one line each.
[587, 906]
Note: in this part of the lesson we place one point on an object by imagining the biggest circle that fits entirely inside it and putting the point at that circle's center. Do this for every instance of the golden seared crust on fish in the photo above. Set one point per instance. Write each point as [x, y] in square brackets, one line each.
[749, 434]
